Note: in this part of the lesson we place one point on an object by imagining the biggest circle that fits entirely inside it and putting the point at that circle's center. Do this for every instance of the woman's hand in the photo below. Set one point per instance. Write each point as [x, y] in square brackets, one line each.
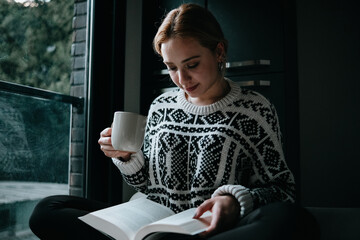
[225, 213]
[107, 148]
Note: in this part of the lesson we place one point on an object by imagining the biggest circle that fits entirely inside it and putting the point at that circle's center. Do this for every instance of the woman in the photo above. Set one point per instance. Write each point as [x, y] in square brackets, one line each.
[209, 144]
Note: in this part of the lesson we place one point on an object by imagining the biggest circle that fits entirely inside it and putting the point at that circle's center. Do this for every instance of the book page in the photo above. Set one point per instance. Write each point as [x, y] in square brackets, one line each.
[182, 222]
[128, 217]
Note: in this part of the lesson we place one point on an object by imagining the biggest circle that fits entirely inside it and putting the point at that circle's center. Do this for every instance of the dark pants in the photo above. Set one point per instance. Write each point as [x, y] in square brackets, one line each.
[56, 217]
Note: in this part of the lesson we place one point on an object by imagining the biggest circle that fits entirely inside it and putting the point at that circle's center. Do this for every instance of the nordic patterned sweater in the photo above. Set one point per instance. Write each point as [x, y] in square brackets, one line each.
[192, 153]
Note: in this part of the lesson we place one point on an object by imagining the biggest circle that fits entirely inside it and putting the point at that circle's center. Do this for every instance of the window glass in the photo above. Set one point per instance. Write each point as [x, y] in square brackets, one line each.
[35, 43]
[34, 156]
[34, 135]
[35, 51]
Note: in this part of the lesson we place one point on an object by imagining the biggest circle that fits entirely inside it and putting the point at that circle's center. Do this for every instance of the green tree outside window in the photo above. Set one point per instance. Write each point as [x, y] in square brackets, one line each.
[35, 43]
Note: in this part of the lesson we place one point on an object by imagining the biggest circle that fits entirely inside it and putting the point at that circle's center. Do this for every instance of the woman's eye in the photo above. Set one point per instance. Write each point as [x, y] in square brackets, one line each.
[194, 65]
[171, 68]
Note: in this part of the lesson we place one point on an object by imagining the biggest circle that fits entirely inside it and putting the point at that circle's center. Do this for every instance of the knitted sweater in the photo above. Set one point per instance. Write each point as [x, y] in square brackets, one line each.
[192, 153]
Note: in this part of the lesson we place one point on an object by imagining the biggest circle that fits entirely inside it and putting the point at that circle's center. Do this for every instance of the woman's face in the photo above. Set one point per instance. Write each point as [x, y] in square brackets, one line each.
[193, 68]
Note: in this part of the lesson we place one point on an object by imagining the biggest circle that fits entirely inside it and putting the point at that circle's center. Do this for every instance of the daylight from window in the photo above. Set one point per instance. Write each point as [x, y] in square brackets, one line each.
[35, 55]
[35, 43]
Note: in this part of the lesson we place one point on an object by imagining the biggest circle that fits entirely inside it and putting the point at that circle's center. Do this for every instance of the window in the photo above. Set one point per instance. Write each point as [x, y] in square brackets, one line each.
[35, 43]
[35, 106]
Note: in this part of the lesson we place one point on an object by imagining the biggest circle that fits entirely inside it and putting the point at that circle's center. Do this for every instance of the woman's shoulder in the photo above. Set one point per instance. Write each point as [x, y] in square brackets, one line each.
[256, 106]
[254, 96]
[246, 96]
[168, 96]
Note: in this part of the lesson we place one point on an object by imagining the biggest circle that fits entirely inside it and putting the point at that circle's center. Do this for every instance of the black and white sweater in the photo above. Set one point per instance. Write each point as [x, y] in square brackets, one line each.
[192, 153]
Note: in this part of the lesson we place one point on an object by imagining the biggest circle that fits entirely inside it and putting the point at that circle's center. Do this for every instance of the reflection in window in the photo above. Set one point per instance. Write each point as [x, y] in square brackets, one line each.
[34, 156]
[34, 139]
[35, 50]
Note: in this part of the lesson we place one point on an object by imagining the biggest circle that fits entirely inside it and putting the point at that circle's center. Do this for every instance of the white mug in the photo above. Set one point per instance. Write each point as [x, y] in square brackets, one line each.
[128, 131]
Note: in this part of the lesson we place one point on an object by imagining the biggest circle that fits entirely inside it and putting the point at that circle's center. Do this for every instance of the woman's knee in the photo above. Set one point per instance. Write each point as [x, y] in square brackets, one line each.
[56, 217]
[41, 215]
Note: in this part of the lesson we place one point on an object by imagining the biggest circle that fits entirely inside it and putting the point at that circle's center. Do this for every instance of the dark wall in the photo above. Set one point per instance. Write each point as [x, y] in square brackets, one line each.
[329, 60]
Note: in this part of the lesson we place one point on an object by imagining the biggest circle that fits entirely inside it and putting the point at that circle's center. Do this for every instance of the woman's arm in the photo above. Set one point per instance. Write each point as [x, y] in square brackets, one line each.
[131, 165]
[267, 180]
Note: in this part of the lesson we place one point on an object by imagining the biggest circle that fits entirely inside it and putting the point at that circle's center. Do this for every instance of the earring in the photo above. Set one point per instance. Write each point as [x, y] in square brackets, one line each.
[220, 67]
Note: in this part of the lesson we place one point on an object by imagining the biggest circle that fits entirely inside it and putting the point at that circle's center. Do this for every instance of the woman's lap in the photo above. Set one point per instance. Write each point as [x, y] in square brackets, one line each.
[56, 217]
[273, 221]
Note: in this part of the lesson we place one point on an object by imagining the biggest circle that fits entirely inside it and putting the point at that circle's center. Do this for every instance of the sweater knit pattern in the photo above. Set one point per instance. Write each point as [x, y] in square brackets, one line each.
[191, 151]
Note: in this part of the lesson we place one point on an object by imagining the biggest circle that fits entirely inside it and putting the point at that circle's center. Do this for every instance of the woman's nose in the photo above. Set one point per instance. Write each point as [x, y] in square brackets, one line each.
[183, 77]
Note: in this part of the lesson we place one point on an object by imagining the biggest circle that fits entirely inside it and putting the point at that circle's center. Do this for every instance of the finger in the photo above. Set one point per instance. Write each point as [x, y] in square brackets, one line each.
[215, 220]
[118, 154]
[214, 224]
[106, 132]
[107, 147]
[108, 150]
[105, 141]
[205, 206]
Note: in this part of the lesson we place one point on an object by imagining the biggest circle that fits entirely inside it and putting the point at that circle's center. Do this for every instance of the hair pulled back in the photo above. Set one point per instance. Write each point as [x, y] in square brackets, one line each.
[190, 21]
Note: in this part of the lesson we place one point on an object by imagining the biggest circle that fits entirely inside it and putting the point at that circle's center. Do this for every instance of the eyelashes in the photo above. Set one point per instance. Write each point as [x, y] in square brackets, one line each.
[188, 66]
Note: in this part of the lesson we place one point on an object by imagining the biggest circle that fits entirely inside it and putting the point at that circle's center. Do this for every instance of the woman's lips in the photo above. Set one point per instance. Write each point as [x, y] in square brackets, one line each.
[191, 89]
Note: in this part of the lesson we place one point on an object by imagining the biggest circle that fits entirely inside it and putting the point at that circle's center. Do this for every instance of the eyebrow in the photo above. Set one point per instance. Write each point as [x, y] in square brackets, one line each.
[186, 60]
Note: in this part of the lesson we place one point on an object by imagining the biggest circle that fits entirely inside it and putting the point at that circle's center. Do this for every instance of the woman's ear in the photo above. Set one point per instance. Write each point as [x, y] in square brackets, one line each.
[220, 52]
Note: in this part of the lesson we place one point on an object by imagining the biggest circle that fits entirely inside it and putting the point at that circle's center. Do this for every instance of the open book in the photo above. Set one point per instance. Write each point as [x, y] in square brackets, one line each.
[135, 219]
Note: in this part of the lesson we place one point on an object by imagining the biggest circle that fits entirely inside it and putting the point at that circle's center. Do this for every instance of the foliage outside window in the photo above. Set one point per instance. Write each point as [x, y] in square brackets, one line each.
[35, 43]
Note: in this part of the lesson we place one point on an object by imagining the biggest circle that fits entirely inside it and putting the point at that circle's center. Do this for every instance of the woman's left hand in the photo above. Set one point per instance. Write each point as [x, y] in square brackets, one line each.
[225, 213]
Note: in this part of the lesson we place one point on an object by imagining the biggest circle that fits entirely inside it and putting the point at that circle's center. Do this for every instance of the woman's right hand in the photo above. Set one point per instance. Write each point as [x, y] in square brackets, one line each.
[107, 148]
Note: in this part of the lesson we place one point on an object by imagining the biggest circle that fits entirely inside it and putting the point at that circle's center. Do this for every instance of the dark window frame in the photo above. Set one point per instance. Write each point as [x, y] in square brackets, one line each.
[105, 90]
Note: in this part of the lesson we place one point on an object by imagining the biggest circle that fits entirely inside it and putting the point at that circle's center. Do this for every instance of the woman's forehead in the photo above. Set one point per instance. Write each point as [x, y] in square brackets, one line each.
[181, 48]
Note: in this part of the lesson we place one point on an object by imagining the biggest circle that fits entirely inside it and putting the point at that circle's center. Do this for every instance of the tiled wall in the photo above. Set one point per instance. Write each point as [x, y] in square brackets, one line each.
[78, 83]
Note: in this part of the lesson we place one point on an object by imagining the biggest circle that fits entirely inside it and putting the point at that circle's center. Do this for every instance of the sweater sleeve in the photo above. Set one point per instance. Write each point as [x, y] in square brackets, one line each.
[133, 171]
[271, 179]
[241, 194]
[268, 179]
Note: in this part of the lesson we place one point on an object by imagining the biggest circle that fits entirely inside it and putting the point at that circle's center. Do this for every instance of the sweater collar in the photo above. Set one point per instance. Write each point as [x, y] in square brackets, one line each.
[208, 109]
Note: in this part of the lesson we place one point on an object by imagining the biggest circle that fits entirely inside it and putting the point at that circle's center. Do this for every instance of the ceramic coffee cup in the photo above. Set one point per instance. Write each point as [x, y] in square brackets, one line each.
[128, 131]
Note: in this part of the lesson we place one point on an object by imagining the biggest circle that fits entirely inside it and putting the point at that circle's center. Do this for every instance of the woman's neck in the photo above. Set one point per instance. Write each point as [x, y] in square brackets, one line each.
[221, 90]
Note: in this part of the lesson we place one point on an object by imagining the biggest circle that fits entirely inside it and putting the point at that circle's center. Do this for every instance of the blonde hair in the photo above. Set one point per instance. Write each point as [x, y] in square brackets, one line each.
[190, 21]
